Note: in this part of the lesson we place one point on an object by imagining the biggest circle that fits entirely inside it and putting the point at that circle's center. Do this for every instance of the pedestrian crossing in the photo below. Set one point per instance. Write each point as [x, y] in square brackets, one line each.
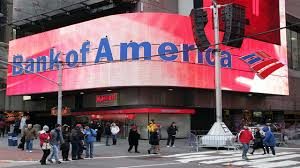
[234, 158]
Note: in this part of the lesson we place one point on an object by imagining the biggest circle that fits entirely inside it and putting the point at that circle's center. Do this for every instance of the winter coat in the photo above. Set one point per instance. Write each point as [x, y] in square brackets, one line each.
[67, 139]
[30, 134]
[154, 138]
[133, 137]
[172, 130]
[90, 135]
[245, 136]
[107, 130]
[54, 137]
[114, 130]
[269, 139]
[151, 127]
[75, 135]
[44, 137]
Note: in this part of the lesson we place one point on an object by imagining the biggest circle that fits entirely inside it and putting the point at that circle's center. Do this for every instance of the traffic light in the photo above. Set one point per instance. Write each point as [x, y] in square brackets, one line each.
[234, 17]
[199, 21]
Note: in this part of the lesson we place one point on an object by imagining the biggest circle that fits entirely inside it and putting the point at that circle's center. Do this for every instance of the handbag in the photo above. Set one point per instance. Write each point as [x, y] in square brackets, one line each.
[46, 146]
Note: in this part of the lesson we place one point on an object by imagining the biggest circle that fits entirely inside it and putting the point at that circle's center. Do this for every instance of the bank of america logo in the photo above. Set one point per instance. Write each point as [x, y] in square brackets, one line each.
[261, 63]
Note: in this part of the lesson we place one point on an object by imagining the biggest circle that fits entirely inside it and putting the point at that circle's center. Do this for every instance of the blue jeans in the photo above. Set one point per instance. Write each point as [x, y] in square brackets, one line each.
[245, 150]
[114, 139]
[29, 144]
[107, 139]
[89, 149]
[55, 149]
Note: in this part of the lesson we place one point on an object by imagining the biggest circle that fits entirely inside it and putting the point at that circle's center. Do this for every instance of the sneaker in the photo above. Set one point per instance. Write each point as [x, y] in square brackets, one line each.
[49, 160]
[173, 146]
[86, 156]
[27, 151]
[168, 146]
[91, 157]
[58, 162]
[30, 151]
[148, 151]
[137, 152]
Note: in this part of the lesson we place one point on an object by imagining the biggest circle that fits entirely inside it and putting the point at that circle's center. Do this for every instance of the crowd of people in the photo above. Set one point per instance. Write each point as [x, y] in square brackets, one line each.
[263, 141]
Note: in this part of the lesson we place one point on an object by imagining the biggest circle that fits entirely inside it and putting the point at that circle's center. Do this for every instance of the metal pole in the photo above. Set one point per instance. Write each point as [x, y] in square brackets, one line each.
[59, 98]
[217, 64]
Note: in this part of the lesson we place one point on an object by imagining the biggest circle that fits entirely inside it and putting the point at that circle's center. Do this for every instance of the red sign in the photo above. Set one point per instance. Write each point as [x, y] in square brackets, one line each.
[107, 100]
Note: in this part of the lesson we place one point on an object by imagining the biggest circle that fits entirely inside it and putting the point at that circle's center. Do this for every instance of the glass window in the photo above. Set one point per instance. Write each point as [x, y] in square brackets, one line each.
[293, 45]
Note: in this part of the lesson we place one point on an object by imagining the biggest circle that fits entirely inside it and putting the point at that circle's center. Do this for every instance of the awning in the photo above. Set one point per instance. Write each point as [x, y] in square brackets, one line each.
[137, 111]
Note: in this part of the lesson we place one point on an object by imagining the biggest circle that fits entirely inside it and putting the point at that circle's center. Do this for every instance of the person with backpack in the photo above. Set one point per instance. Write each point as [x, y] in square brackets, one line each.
[172, 131]
[258, 141]
[56, 139]
[133, 139]
[90, 137]
[245, 136]
[269, 140]
[75, 141]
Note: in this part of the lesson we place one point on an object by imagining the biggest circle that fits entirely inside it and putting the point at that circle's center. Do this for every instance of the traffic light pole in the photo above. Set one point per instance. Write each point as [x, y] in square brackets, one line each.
[59, 84]
[217, 63]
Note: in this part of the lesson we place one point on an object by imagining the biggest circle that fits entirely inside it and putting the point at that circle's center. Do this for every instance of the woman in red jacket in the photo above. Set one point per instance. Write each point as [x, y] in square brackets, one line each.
[44, 143]
[245, 136]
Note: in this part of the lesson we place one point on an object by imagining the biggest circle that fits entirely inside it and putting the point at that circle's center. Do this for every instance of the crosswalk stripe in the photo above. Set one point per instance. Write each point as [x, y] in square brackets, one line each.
[192, 156]
[186, 154]
[239, 157]
[251, 162]
[199, 159]
[285, 163]
[296, 167]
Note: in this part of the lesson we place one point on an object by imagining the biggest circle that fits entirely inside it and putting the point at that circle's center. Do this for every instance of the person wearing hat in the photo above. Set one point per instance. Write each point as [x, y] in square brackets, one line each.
[56, 139]
[245, 136]
[44, 143]
[133, 139]
[65, 147]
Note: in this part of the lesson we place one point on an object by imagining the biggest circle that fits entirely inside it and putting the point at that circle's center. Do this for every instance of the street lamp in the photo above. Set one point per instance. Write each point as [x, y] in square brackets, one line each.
[58, 83]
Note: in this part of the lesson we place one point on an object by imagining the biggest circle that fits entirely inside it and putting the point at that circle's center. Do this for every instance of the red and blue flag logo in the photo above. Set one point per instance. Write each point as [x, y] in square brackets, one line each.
[261, 63]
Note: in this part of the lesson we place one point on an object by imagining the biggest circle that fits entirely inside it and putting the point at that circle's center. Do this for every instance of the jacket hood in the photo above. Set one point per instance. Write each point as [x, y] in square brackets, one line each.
[265, 129]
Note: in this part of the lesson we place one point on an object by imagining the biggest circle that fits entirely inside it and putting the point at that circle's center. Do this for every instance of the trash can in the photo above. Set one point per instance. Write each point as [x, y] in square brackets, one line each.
[14, 140]
[10, 139]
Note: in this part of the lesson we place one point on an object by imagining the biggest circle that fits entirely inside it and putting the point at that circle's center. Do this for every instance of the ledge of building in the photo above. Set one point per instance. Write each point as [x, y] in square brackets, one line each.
[294, 73]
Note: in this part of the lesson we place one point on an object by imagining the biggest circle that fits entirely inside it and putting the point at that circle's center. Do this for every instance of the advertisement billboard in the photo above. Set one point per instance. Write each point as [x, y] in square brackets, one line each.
[141, 49]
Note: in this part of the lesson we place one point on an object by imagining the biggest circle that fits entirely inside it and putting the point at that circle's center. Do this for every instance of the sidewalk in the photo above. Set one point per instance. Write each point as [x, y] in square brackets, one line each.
[12, 153]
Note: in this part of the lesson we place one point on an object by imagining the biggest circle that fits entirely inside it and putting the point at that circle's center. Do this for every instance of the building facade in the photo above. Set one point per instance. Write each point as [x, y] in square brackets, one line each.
[140, 99]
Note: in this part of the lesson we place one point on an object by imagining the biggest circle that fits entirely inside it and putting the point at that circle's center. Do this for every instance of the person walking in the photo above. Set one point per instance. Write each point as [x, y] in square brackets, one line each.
[90, 137]
[30, 134]
[99, 132]
[269, 140]
[107, 133]
[75, 141]
[172, 131]
[245, 136]
[114, 132]
[56, 139]
[154, 141]
[258, 141]
[133, 139]
[2, 127]
[65, 147]
[44, 143]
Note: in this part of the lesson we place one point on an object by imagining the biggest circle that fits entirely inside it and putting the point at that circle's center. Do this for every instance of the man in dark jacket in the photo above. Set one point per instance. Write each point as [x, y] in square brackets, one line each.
[258, 141]
[107, 133]
[172, 131]
[133, 139]
[269, 140]
[65, 147]
[75, 141]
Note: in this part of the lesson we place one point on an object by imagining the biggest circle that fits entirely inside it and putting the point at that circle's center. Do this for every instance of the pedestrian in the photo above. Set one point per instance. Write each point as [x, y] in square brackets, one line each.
[89, 138]
[114, 132]
[133, 139]
[99, 132]
[22, 143]
[44, 143]
[2, 127]
[258, 141]
[172, 131]
[107, 133]
[269, 140]
[75, 141]
[30, 134]
[151, 126]
[65, 147]
[245, 136]
[56, 139]
[82, 146]
[154, 141]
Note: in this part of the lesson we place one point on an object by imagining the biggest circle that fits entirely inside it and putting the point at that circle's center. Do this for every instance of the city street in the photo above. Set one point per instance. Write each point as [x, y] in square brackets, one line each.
[179, 157]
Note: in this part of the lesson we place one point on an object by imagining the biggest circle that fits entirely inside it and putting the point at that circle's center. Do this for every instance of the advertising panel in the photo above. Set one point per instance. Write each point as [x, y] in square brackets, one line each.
[142, 49]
